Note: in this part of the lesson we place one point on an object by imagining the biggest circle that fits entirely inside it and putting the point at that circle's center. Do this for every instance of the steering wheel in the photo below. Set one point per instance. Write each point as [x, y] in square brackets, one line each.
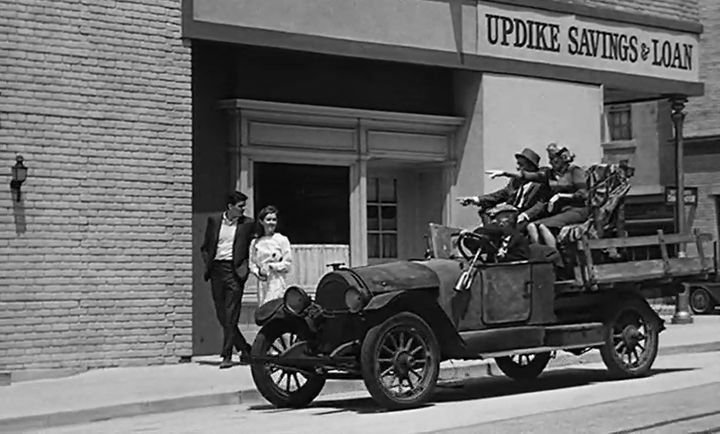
[482, 241]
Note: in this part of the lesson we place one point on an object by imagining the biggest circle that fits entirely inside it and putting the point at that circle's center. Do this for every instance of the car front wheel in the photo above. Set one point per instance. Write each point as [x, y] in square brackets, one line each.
[282, 386]
[700, 301]
[400, 360]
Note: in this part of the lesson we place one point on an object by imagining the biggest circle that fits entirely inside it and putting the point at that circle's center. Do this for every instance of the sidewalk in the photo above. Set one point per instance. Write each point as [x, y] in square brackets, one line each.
[116, 392]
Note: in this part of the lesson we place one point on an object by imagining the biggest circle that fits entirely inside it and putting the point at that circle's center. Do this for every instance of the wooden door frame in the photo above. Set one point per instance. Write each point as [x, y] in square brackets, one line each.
[354, 127]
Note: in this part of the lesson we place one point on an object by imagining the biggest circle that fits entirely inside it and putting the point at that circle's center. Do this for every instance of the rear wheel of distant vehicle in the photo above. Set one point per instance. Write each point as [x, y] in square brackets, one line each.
[282, 386]
[523, 367]
[700, 301]
[400, 361]
[631, 339]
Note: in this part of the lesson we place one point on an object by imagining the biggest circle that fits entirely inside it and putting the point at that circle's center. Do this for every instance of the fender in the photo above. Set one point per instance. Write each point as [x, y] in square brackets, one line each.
[611, 299]
[424, 304]
[269, 311]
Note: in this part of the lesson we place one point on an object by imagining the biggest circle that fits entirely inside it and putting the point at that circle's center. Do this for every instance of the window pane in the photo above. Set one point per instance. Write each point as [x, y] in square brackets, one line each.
[620, 123]
[373, 220]
[389, 246]
[373, 246]
[372, 186]
[387, 190]
[389, 218]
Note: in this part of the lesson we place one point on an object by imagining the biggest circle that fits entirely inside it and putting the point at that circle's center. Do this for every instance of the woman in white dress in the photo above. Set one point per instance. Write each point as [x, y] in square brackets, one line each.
[270, 257]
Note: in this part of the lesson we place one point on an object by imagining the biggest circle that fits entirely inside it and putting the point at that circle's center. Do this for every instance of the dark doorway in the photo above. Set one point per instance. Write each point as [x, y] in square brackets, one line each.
[314, 201]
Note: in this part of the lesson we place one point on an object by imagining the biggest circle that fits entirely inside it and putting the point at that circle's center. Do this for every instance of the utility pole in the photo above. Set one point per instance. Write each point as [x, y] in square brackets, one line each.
[682, 301]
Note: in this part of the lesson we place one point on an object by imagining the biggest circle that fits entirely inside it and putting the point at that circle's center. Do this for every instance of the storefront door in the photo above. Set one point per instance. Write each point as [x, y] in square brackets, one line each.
[314, 206]
[401, 201]
[313, 200]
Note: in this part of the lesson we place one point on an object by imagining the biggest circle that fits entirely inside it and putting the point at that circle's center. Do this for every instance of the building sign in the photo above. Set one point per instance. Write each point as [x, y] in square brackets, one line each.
[690, 196]
[568, 40]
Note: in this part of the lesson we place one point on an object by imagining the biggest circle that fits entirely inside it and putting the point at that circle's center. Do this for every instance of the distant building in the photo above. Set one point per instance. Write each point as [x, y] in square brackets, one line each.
[702, 128]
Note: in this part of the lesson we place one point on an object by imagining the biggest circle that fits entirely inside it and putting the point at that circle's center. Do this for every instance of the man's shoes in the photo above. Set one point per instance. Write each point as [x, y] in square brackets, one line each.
[245, 357]
[226, 363]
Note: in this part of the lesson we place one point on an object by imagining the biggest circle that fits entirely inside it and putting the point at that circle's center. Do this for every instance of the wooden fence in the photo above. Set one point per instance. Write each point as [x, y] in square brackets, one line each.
[310, 263]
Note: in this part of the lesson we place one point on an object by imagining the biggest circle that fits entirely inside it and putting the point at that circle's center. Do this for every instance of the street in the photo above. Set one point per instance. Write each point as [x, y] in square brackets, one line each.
[682, 396]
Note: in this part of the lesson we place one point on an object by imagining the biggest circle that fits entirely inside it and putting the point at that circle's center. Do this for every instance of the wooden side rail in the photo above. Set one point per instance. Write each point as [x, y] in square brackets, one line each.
[648, 240]
[589, 274]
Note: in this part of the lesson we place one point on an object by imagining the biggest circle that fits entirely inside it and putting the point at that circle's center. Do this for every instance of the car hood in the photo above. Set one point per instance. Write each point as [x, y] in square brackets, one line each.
[395, 276]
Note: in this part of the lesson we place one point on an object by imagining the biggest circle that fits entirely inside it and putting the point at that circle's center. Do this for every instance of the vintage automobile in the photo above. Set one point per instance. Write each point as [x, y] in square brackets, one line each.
[392, 324]
[704, 296]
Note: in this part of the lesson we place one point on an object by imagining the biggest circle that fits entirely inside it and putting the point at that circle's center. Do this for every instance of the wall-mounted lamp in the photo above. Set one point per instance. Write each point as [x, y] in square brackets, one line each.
[19, 175]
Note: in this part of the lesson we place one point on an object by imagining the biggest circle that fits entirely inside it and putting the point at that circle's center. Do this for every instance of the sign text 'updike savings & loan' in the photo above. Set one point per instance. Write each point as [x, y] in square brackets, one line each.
[569, 40]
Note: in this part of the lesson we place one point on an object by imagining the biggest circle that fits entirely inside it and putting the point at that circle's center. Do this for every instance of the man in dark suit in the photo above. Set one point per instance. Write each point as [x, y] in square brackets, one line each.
[225, 253]
[528, 197]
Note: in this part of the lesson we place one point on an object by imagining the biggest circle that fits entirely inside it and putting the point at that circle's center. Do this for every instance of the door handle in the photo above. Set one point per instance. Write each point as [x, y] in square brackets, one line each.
[528, 290]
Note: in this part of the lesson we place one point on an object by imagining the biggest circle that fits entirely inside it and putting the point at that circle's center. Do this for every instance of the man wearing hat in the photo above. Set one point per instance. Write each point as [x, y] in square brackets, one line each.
[527, 197]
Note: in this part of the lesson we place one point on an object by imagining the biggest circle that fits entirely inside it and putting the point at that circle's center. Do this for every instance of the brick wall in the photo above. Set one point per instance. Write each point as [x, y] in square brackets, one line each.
[674, 9]
[702, 113]
[95, 262]
[701, 172]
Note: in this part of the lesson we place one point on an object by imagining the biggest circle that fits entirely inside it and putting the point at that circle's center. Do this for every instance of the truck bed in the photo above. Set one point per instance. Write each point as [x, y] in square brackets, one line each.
[588, 273]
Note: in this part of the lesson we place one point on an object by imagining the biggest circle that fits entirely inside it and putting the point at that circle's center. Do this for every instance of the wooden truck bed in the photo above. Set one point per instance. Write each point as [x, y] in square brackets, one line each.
[592, 275]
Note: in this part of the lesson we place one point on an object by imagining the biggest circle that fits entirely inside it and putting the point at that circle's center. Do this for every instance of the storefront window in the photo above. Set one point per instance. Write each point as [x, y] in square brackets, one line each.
[382, 217]
[619, 120]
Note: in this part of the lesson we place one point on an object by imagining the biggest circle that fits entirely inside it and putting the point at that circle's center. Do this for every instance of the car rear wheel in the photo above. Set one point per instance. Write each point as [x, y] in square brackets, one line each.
[631, 339]
[400, 361]
[523, 367]
[283, 387]
[700, 301]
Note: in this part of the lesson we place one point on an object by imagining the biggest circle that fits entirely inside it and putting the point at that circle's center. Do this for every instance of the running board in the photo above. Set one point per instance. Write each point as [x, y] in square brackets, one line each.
[528, 339]
[533, 351]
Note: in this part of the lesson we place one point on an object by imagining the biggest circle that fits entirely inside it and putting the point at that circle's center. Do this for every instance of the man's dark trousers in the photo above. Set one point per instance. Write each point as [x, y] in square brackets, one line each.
[227, 291]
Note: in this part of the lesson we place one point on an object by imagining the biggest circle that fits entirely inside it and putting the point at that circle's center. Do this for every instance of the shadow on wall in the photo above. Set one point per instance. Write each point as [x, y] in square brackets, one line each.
[18, 213]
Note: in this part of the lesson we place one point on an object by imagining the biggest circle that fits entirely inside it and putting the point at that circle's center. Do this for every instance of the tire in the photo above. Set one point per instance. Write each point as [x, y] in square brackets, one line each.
[631, 339]
[700, 301]
[283, 387]
[400, 353]
[523, 367]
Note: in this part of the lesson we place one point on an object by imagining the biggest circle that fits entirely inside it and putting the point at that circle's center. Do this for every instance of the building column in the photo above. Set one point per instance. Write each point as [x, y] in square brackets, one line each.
[358, 213]
[682, 300]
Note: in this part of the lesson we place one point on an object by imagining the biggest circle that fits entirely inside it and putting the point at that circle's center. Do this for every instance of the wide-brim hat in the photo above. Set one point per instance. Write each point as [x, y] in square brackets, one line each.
[530, 156]
[501, 209]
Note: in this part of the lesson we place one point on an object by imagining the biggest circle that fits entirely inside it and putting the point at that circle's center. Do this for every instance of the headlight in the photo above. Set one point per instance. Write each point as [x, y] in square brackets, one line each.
[296, 300]
[354, 299]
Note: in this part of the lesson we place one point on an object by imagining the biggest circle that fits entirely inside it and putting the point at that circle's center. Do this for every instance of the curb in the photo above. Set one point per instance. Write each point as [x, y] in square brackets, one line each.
[454, 373]
[88, 415]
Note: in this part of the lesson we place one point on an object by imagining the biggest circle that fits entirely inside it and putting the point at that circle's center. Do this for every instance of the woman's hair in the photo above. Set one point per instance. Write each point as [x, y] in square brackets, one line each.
[259, 230]
[552, 149]
[566, 155]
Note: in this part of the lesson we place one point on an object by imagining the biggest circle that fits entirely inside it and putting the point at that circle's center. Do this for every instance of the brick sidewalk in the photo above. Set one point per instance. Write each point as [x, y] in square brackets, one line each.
[115, 392]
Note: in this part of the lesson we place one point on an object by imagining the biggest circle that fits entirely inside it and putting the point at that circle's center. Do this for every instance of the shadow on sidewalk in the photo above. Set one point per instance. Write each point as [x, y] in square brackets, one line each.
[478, 389]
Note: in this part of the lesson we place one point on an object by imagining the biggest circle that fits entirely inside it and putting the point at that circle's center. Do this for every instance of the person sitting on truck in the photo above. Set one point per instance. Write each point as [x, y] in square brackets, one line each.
[529, 197]
[502, 242]
[568, 190]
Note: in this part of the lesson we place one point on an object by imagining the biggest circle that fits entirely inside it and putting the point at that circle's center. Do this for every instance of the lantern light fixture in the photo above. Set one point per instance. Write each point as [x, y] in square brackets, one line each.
[19, 175]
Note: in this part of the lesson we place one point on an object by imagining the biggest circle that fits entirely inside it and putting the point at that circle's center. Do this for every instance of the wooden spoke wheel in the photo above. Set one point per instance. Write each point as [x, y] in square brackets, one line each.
[523, 366]
[400, 361]
[700, 301]
[631, 340]
[283, 387]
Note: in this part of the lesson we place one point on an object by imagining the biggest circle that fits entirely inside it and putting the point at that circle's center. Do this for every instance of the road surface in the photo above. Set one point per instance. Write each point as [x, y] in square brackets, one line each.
[682, 396]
